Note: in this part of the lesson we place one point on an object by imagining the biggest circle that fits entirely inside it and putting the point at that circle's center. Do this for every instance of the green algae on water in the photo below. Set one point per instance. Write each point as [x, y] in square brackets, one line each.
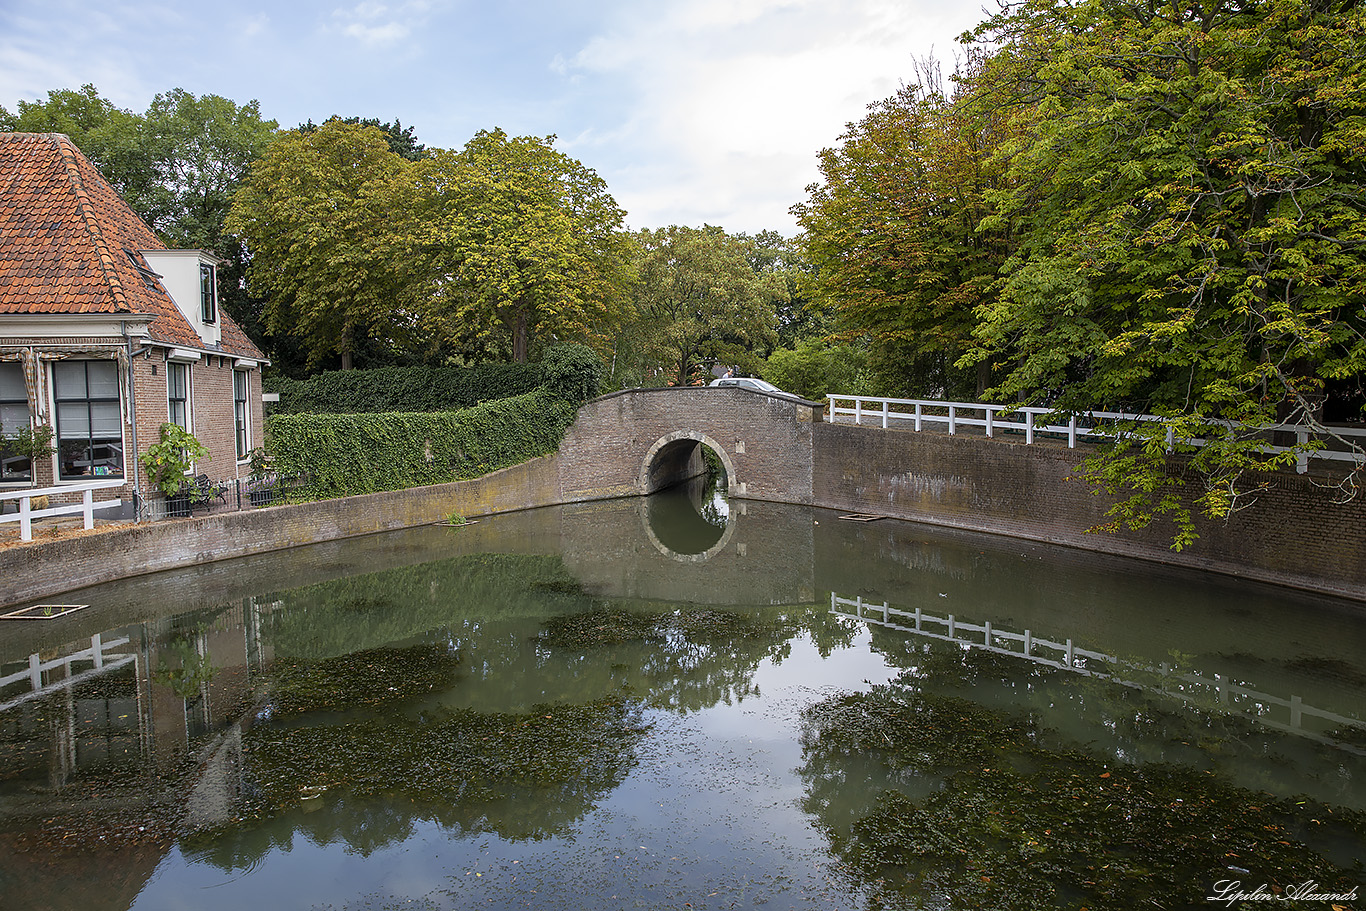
[373, 677]
[525, 775]
[1011, 825]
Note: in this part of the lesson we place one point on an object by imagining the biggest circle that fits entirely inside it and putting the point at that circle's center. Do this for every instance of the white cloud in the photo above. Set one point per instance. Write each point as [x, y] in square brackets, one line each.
[381, 25]
[256, 25]
[734, 98]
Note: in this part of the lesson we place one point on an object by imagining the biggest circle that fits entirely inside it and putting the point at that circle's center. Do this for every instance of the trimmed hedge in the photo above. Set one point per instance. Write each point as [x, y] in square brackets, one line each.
[402, 389]
[347, 454]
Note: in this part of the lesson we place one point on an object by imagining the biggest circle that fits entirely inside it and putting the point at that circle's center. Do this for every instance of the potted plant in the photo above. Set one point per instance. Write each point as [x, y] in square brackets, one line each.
[31, 444]
[168, 461]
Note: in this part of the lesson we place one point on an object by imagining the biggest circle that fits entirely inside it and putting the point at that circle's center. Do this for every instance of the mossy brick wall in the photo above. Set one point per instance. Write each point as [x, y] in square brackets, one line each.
[1293, 535]
[41, 569]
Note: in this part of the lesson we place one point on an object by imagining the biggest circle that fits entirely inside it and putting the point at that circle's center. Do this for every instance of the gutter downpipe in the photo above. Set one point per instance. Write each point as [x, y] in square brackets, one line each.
[133, 422]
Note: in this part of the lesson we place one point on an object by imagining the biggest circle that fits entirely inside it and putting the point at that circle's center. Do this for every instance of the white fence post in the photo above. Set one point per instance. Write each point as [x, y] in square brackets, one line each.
[25, 523]
[1072, 432]
[918, 415]
[884, 414]
[858, 411]
[953, 420]
[1302, 457]
[988, 413]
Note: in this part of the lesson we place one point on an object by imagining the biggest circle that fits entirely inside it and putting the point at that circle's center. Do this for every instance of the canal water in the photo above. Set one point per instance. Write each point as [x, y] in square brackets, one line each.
[679, 702]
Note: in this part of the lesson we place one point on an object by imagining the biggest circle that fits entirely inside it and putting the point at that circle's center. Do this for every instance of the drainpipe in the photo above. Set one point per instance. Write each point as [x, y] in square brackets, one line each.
[133, 422]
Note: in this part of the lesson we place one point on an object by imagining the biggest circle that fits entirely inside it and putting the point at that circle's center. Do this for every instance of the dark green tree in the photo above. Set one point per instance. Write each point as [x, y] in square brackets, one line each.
[1187, 185]
[702, 302]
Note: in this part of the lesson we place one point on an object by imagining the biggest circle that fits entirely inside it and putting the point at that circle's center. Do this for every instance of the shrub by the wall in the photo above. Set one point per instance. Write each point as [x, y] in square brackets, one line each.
[346, 454]
[402, 389]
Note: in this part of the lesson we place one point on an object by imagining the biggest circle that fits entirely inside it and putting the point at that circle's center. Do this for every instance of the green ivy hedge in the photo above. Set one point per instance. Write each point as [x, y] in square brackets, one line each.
[347, 454]
[402, 389]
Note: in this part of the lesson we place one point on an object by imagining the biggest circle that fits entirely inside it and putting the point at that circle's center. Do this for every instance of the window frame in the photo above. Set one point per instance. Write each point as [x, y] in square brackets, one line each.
[62, 403]
[208, 293]
[174, 369]
[15, 477]
[241, 414]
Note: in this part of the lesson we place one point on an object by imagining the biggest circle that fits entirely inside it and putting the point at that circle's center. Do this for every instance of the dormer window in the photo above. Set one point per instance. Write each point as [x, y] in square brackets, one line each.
[208, 303]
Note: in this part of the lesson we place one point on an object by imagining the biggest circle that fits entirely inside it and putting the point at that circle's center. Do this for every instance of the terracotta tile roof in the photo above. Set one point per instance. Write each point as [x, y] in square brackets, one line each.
[65, 235]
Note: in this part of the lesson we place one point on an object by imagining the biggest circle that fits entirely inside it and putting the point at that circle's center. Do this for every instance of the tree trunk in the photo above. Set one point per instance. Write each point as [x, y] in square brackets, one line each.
[345, 349]
[520, 340]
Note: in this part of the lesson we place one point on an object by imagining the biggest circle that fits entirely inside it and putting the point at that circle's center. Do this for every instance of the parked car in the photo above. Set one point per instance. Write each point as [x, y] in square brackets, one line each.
[749, 382]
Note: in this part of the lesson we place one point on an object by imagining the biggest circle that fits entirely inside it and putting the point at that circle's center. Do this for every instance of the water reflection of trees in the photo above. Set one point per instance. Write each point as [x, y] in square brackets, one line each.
[373, 609]
[680, 657]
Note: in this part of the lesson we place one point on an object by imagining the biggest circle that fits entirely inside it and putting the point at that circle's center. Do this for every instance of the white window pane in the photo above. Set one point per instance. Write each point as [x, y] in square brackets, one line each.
[105, 420]
[12, 382]
[73, 420]
[69, 377]
[104, 379]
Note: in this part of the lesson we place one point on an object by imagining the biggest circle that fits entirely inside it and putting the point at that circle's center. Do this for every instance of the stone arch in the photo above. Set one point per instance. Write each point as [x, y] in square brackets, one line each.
[672, 446]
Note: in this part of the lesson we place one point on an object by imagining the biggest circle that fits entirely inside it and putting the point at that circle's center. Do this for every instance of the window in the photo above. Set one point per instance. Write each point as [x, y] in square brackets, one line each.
[14, 417]
[208, 307]
[239, 405]
[178, 394]
[89, 420]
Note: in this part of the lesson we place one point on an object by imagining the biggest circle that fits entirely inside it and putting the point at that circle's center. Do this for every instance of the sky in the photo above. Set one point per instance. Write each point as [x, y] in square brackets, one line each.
[693, 111]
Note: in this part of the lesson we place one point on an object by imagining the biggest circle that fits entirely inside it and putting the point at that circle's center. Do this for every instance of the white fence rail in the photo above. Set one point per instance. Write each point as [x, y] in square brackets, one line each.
[918, 413]
[1216, 689]
[86, 507]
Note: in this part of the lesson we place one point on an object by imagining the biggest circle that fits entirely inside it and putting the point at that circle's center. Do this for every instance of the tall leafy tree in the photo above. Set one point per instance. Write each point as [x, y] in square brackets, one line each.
[893, 231]
[1187, 181]
[326, 215]
[204, 148]
[518, 242]
[402, 140]
[114, 139]
[702, 301]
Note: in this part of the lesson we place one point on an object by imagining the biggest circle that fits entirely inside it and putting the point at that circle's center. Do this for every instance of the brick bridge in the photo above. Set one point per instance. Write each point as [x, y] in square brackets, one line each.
[639, 441]
[774, 448]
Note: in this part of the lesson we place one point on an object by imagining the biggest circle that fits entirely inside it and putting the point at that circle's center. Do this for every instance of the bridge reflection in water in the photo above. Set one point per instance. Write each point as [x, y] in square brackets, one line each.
[1212, 690]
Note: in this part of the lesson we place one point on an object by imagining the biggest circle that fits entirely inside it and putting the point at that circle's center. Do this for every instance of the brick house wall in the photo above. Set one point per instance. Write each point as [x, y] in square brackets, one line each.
[212, 416]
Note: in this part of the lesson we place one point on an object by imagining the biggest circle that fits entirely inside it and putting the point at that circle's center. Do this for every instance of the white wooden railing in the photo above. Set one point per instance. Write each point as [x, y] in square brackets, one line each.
[917, 413]
[86, 507]
[1186, 686]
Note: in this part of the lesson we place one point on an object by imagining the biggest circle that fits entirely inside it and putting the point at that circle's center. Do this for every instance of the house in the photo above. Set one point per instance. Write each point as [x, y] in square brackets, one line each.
[105, 334]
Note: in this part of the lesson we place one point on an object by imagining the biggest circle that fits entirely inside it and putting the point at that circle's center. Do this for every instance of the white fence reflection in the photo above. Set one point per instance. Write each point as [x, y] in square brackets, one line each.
[44, 677]
[1205, 690]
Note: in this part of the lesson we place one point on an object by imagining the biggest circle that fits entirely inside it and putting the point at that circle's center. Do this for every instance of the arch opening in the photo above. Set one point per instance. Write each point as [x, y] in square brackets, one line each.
[687, 480]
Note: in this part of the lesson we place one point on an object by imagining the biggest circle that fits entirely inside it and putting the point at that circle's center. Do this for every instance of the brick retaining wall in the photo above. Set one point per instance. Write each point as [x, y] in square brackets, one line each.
[1294, 535]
